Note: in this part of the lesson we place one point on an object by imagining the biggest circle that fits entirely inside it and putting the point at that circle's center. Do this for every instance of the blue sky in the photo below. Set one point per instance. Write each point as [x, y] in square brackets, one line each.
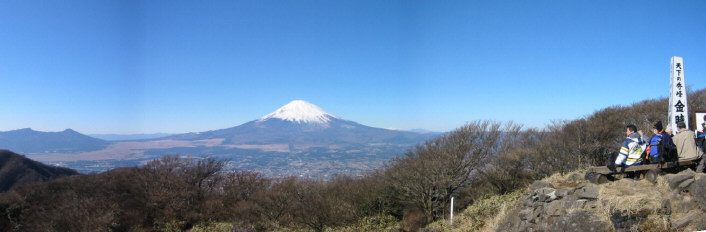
[186, 66]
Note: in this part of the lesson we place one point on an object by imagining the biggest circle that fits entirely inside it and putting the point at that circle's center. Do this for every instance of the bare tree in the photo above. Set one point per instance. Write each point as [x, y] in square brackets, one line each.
[431, 172]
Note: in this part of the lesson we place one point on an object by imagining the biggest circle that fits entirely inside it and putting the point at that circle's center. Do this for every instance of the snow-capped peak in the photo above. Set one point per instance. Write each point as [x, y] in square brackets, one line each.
[301, 112]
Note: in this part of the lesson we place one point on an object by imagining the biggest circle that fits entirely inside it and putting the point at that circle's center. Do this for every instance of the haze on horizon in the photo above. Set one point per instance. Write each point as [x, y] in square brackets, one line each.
[131, 67]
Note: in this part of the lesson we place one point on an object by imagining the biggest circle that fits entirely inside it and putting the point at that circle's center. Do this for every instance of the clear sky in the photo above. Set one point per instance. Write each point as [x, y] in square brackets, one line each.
[188, 66]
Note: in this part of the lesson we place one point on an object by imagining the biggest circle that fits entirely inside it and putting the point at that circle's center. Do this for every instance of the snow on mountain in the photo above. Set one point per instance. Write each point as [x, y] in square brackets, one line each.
[304, 124]
[301, 112]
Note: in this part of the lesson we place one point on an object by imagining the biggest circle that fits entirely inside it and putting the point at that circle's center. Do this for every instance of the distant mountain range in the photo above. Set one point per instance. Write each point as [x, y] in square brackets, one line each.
[297, 139]
[31, 141]
[125, 137]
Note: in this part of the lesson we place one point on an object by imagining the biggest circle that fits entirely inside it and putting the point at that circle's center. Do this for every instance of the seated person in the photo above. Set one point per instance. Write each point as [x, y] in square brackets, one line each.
[685, 142]
[661, 145]
[632, 149]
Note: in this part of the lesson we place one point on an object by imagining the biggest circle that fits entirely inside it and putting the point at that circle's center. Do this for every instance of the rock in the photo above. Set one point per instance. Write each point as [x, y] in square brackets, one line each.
[570, 198]
[524, 226]
[526, 200]
[652, 175]
[537, 213]
[675, 179]
[686, 219]
[561, 193]
[698, 191]
[699, 175]
[591, 204]
[623, 220]
[551, 196]
[684, 185]
[688, 204]
[540, 184]
[543, 191]
[581, 220]
[555, 208]
[575, 204]
[525, 214]
[545, 194]
[687, 171]
[589, 193]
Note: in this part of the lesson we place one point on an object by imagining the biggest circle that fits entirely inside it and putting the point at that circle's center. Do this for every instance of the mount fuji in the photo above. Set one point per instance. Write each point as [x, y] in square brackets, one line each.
[303, 123]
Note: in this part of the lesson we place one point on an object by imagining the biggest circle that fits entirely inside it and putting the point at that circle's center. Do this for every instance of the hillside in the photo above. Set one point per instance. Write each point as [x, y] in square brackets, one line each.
[16, 170]
[676, 202]
[563, 147]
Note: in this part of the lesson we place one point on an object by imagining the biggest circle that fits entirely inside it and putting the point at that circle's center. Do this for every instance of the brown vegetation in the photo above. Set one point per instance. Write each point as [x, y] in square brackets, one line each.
[16, 170]
[472, 163]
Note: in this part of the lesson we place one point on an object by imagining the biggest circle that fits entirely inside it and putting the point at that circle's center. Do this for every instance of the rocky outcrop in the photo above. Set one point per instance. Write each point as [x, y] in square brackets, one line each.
[557, 209]
[675, 202]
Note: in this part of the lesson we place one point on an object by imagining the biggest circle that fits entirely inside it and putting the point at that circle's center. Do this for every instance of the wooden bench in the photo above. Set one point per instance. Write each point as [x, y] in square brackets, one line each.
[601, 174]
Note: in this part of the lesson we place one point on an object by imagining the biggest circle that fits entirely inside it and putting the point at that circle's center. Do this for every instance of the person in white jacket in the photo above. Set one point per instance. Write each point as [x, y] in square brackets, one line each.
[631, 151]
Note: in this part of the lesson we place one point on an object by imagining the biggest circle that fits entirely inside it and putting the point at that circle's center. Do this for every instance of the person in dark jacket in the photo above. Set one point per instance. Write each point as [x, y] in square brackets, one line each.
[661, 144]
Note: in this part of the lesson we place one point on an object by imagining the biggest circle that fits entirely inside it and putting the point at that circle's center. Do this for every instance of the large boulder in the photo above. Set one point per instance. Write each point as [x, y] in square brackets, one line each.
[544, 194]
[674, 180]
[698, 191]
[581, 220]
[687, 219]
[555, 208]
[623, 220]
[588, 192]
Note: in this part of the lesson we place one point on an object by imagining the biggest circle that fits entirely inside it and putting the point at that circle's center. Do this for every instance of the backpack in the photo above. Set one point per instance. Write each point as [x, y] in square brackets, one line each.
[670, 155]
[610, 161]
[659, 156]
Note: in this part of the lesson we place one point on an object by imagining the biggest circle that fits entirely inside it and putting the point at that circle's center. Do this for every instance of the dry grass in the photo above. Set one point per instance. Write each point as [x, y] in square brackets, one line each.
[487, 213]
[567, 180]
[484, 215]
[505, 209]
[376, 223]
[632, 195]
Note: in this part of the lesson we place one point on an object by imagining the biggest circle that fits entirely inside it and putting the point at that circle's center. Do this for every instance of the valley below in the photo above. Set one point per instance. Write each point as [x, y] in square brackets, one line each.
[272, 160]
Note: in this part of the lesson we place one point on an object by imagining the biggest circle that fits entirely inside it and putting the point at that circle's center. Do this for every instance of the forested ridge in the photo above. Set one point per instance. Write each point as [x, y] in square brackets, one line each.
[477, 160]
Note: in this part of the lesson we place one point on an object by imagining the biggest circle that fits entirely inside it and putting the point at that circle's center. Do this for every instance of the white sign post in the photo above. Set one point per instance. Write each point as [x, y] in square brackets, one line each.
[451, 218]
[678, 105]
